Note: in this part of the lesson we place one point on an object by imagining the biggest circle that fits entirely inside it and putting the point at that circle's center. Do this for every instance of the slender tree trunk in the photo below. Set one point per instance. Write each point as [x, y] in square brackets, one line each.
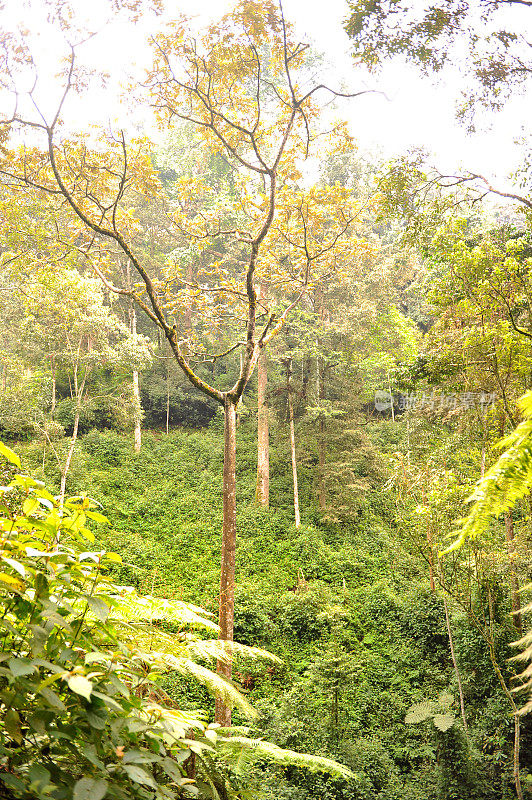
[322, 442]
[293, 447]
[136, 389]
[263, 435]
[54, 392]
[322, 497]
[455, 663]
[167, 397]
[136, 385]
[514, 580]
[227, 578]
[510, 698]
[188, 311]
[138, 412]
[66, 465]
[431, 560]
[517, 746]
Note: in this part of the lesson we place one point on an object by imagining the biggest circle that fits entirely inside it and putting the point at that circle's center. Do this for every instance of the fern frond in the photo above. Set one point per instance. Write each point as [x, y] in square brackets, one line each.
[177, 723]
[132, 607]
[215, 683]
[444, 721]
[243, 751]
[225, 650]
[506, 482]
[419, 712]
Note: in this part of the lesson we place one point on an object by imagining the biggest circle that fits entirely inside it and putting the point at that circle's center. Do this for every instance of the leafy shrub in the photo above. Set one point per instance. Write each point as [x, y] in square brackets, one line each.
[300, 615]
[104, 413]
[106, 447]
[252, 623]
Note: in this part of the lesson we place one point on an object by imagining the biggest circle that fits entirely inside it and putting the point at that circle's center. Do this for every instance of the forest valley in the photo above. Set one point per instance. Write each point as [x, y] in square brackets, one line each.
[266, 427]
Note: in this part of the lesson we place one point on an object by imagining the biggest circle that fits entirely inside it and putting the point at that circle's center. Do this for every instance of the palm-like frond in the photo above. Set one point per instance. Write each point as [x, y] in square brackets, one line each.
[244, 751]
[506, 482]
[226, 651]
[216, 684]
[132, 607]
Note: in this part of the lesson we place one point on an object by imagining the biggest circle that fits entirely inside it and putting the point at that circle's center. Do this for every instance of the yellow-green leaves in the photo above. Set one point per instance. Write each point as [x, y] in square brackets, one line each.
[10, 455]
[80, 685]
[506, 482]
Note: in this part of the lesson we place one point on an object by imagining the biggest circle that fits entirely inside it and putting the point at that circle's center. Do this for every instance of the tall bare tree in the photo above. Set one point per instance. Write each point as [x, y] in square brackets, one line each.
[237, 85]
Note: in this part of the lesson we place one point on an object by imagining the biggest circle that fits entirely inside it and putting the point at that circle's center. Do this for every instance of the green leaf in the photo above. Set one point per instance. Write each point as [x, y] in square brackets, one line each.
[80, 685]
[97, 656]
[97, 716]
[139, 757]
[89, 789]
[16, 565]
[97, 517]
[88, 534]
[89, 751]
[444, 721]
[139, 775]
[29, 505]
[13, 783]
[12, 582]
[52, 699]
[99, 607]
[10, 455]
[21, 666]
[113, 557]
[419, 712]
[12, 725]
[38, 774]
[171, 768]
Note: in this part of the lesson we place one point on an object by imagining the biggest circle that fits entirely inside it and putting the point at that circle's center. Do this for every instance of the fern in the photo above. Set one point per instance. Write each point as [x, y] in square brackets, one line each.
[443, 721]
[419, 713]
[244, 751]
[438, 711]
[506, 482]
[132, 607]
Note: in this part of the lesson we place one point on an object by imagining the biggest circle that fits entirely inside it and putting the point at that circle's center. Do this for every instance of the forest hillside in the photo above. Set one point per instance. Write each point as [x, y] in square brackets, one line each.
[265, 418]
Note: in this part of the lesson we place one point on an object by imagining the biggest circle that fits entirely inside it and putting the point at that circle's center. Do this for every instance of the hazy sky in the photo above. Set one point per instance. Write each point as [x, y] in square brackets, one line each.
[416, 111]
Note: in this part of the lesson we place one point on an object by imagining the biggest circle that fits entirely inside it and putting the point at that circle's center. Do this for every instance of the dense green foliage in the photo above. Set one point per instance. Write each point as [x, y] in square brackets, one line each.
[84, 660]
[347, 607]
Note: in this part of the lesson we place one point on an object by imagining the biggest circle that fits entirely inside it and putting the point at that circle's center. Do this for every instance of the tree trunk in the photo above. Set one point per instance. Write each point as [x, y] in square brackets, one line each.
[227, 578]
[263, 444]
[514, 580]
[262, 494]
[136, 389]
[293, 448]
[167, 397]
[431, 556]
[54, 393]
[322, 497]
[507, 691]
[136, 395]
[188, 310]
[66, 465]
[455, 663]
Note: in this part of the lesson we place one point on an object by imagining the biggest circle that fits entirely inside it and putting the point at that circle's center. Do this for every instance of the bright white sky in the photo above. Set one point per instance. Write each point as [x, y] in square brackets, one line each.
[418, 112]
